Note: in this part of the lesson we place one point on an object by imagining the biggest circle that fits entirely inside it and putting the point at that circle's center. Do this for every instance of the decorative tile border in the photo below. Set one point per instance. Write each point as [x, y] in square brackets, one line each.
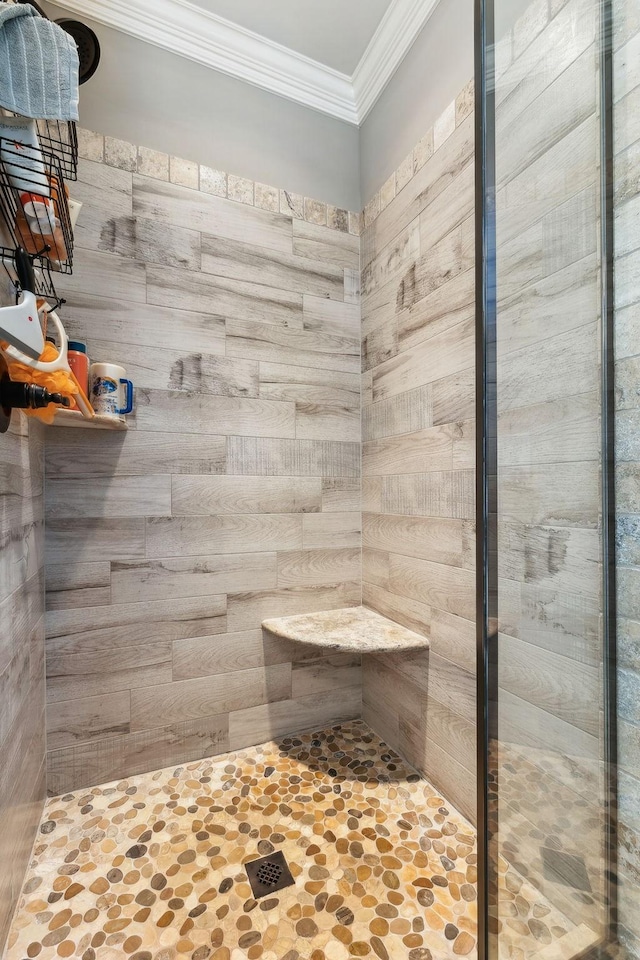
[450, 118]
[187, 173]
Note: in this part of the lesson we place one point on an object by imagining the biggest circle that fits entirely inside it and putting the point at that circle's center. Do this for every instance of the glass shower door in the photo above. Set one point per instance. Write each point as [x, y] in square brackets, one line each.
[547, 516]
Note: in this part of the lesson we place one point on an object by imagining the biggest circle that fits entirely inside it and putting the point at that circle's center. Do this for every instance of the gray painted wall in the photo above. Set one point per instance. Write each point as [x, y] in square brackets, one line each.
[431, 75]
[151, 97]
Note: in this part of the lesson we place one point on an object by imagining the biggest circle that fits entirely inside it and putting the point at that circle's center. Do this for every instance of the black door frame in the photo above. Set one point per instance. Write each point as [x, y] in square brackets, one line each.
[486, 479]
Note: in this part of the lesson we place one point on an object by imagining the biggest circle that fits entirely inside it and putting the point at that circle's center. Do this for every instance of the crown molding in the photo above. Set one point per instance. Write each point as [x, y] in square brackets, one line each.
[190, 31]
[389, 45]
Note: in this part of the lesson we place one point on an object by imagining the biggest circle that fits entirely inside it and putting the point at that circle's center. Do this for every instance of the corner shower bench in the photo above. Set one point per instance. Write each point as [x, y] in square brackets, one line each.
[353, 630]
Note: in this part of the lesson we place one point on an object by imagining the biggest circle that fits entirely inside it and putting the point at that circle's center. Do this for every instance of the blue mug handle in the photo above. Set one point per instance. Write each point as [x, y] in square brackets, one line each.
[129, 398]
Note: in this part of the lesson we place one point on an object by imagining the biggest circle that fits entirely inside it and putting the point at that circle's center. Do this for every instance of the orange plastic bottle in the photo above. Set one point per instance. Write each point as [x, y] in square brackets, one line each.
[79, 363]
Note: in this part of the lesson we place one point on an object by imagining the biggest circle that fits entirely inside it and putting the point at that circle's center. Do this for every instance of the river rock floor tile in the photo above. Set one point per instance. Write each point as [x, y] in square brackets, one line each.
[153, 867]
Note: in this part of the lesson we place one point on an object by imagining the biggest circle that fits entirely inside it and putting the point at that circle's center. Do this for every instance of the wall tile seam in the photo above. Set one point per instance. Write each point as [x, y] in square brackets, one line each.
[126, 156]
[454, 114]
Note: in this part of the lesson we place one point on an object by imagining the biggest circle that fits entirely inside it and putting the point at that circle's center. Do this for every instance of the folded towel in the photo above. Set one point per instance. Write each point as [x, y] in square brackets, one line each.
[38, 65]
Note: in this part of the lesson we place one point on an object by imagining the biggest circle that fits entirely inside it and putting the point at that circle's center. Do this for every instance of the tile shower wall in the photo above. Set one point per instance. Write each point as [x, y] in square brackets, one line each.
[22, 718]
[418, 301]
[549, 445]
[627, 160]
[234, 495]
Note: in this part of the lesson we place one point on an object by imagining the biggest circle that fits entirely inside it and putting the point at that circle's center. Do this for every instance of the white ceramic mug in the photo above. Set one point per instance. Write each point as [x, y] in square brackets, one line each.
[110, 392]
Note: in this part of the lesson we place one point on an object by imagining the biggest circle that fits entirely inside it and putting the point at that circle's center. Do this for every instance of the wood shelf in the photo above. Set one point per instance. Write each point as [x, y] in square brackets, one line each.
[354, 630]
[73, 418]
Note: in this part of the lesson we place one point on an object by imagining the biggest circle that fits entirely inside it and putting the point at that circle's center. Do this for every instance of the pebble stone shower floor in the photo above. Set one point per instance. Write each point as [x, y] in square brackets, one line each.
[152, 867]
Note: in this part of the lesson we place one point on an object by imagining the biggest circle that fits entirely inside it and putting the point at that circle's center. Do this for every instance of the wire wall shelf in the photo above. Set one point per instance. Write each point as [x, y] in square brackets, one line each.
[34, 204]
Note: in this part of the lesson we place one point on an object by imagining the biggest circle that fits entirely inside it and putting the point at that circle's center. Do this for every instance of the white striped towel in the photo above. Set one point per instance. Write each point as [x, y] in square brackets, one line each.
[38, 65]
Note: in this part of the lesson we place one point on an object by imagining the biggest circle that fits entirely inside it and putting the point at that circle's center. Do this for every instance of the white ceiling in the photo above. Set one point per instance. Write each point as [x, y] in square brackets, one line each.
[333, 32]
[335, 56]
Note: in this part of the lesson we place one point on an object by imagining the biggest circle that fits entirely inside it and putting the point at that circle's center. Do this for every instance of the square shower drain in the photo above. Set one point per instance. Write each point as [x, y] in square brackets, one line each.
[269, 874]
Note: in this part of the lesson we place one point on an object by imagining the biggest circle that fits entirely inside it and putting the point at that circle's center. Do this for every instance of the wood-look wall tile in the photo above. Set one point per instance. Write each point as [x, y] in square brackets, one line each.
[413, 614]
[560, 494]
[429, 182]
[190, 699]
[552, 369]
[439, 680]
[236, 300]
[177, 370]
[379, 345]
[454, 398]
[372, 494]
[257, 724]
[90, 673]
[209, 495]
[292, 458]
[227, 534]
[324, 675]
[331, 530]
[78, 585]
[554, 432]
[341, 495]
[562, 303]
[441, 356]
[566, 688]
[331, 317]
[108, 498]
[283, 381]
[230, 652]
[452, 777]
[271, 268]
[351, 285]
[453, 734]
[438, 494]
[111, 627]
[90, 718]
[19, 613]
[180, 577]
[107, 195]
[565, 103]
[105, 275]
[121, 323]
[95, 539]
[83, 765]
[393, 260]
[450, 304]
[404, 413]
[453, 206]
[21, 556]
[231, 221]
[437, 539]
[248, 404]
[247, 610]
[445, 588]
[253, 340]
[464, 445]
[375, 566]
[537, 190]
[566, 559]
[323, 414]
[318, 567]
[71, 453]
[418, 452]
[151, 242]
[453, 638]
[13, 680]
[452, 256]
[200, 413]
[318, 243]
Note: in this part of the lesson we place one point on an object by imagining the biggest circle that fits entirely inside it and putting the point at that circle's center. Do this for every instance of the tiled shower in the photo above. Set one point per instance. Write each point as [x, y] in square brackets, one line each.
[305, 440]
